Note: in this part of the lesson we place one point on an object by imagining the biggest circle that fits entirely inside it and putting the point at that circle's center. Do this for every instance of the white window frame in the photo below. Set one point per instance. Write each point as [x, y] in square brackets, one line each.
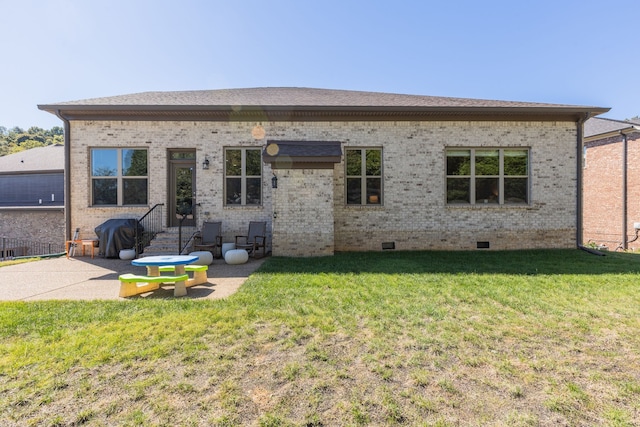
[501, 176]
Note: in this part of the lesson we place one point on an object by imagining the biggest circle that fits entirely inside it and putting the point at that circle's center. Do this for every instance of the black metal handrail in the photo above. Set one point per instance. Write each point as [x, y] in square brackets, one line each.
[184, 216]
[181, 247]
[189, 240]
[150, 225]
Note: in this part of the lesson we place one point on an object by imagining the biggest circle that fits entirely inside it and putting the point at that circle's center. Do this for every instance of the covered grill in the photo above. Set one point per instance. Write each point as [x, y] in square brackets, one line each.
[117, 234]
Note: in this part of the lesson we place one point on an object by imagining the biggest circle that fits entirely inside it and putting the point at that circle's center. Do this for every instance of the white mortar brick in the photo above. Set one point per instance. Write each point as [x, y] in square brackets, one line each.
[312, 218]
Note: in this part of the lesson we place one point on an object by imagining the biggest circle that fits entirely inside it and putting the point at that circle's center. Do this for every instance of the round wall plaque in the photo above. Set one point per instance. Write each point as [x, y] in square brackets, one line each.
[273, 149]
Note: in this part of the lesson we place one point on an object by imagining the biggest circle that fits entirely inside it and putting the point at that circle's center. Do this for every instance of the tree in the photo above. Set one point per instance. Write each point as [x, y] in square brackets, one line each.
[28, 144]
[34, 130]
[30, 137]
[54, 131]
[16, 139]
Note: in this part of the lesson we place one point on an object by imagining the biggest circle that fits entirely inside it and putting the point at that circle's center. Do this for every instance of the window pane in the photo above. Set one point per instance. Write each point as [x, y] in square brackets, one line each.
[354, 191]
[515, 162]
[134, 192]
[253, 166]
[374, 191]
[368, 176]
[515, 190]
[105, 191]
[374, 162]
[250, 178]
[354, 162]
[459, 162]
[253, 191]
[233, 163]
[487, 162]
[234, 191]
[184, 190]
[134, 162]
[104, 162]
[178, 155]
[494, 169]
[458, 190]
[487, 190]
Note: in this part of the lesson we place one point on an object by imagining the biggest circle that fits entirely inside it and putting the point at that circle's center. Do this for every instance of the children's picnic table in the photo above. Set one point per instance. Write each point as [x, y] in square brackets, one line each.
[153, 264]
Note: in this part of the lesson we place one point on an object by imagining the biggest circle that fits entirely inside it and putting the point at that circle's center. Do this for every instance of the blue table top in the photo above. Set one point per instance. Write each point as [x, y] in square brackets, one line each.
[165, 260]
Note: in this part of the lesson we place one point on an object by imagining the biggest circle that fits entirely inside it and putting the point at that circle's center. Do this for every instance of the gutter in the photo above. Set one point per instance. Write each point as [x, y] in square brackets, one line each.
[625, 196]
[319, 112]
[29, 172]
[35, 208]
[579, 171]
[67, 174]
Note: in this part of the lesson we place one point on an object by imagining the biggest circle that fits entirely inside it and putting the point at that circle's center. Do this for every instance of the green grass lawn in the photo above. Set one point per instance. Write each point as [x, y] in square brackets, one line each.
[421, 338]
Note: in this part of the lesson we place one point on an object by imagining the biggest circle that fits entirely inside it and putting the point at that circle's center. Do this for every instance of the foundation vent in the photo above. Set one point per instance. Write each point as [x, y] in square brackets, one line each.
[388, 245]
[482, 245]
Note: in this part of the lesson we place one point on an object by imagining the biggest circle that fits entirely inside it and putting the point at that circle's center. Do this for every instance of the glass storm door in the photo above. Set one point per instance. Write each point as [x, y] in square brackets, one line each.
[182, 188]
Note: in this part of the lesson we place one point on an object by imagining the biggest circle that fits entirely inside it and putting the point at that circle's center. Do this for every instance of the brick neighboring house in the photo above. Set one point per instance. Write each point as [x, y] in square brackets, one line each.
[32, 195]
[611, 190]
[332, 170]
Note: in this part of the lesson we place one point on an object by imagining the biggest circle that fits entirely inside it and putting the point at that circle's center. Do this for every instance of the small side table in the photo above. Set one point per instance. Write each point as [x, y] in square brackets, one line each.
[88, 242]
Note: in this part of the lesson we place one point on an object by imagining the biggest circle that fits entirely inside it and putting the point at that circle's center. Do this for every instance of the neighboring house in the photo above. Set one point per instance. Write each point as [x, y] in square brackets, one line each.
[32, 195]
[332, 170]
[611, 191]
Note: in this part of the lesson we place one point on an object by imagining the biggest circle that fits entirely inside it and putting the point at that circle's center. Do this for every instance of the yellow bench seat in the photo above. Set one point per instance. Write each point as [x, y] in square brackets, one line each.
[133, 284]
[199, 273]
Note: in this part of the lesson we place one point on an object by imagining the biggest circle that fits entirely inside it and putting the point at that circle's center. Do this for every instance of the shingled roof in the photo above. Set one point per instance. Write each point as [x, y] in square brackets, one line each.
[39, 159]
[599, 128]
[289, 103]
[302, 154]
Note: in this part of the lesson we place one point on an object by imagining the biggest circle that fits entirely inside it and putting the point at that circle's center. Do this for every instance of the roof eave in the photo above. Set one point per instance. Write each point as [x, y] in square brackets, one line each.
[617, 132]
[315, 113]
[33, 171]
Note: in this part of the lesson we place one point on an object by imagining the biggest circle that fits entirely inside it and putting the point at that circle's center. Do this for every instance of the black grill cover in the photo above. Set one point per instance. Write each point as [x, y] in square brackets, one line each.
[117, 234]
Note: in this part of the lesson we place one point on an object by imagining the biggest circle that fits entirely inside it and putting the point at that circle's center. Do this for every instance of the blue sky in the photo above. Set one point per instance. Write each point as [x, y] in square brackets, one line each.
[560, 51]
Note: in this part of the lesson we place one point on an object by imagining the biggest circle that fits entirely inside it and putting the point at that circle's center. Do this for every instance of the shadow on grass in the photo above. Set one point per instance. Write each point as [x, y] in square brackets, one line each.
[529, 262]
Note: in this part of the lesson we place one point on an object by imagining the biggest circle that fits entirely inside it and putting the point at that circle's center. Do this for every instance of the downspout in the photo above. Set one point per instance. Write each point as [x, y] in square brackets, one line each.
[579, 164]
[625, 148]
[67, 175]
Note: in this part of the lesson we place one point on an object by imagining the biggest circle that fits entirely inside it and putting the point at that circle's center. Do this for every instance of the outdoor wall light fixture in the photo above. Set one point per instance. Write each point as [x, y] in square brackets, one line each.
[274, 181]
[205, 164]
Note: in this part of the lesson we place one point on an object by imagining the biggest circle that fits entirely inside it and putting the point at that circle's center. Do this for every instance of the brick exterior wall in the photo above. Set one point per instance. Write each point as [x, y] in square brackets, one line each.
[33, 224]
[208, 139]
[602, 192]
[414, 214]
[303, 217]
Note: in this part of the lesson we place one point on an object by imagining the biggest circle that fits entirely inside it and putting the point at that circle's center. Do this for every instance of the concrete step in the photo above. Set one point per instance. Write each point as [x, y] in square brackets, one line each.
[166, 242]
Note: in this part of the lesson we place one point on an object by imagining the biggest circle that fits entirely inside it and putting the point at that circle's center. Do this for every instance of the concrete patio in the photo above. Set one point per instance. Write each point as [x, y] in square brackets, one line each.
[84, 278]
